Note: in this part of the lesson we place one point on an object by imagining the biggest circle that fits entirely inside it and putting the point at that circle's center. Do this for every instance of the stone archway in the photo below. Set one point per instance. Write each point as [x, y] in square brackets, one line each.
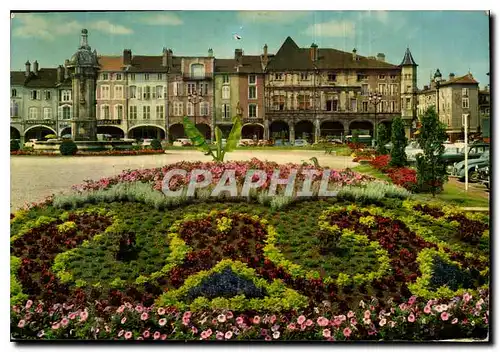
[204, 129]
[252, 131]
[279, 130]
[304, 130]
[14, 133]
[332, 129]
[364, 127]
[146, 132]
[65, 131]
[176, 131]
[38, 132]
[225, 129]
[115, 132]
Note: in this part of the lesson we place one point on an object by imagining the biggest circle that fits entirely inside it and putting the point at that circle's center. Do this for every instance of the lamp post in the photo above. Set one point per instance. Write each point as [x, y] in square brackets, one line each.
[195, 98]
[375, 98]
[437, 81]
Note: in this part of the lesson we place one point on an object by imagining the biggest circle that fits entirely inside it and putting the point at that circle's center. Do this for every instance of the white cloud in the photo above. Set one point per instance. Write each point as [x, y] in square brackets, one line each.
[271, 16]
[163, 19]
[332, 28]
[37, 26]
[108, 27]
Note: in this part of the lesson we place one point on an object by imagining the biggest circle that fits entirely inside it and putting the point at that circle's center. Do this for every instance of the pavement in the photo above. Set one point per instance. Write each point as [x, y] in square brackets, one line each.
[35, 177]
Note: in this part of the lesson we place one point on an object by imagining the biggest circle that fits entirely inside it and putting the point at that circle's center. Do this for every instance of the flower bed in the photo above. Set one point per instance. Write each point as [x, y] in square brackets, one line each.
[401, 176]
[224, 270]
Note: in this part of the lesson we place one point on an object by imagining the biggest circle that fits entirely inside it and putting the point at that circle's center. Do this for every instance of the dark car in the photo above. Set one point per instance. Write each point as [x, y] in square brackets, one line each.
[472, 167]
[474, 151]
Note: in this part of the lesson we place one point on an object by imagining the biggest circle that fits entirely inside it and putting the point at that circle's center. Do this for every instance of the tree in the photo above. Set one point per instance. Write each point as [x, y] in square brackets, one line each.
[156, 145]
[355, 136]
[383, 138]
[431, 171]
[399, 143]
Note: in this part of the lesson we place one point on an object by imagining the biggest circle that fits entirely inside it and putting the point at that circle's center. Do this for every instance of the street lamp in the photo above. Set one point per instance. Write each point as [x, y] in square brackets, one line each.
[437, 81]
[195, 98]
[375, 98]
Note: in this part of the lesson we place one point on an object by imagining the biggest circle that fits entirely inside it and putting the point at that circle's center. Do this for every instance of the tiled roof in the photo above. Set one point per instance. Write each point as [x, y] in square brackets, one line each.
[250, 64]
[291, 57]
[17, 78]
[46, 78]
[110, 63]
[147, 64]
[466, 79]
[408, 59]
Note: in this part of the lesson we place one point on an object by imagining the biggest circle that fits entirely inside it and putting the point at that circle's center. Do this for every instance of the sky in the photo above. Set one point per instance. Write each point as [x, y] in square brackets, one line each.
[453, 41]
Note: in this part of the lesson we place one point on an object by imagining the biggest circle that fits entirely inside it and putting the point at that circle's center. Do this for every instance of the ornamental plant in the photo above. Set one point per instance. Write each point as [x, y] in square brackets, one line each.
[14, 145]
[383, 137]
[399, 143]
[156, 145]
[431, 173]
[68, 147]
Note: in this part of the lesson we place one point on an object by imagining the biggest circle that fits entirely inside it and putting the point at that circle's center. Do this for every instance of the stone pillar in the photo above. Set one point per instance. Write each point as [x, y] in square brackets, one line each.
[346, 128]
[317, 131]
[266, 130]
[292, 132]
[21, 141]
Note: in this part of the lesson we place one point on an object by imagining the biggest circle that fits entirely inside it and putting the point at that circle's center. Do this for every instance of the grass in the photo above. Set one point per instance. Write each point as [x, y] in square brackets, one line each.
[369, 170]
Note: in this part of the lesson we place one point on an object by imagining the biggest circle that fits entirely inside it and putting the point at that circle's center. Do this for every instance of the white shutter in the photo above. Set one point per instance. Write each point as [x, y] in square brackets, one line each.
[139, 93]
[59, 113]
[175, 89]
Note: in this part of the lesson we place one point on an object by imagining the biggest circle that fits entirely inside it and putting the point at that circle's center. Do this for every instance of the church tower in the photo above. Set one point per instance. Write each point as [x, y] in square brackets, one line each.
[83, 67]
[409, 97]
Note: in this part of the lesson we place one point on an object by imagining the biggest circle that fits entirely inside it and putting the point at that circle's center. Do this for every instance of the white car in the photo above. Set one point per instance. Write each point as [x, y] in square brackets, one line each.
[246, 142]
[30, 143]
[146, 142]
[182, 142]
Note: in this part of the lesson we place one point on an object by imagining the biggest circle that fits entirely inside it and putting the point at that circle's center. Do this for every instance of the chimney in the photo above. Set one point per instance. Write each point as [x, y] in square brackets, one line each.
[381, 57]
[313, 52]
[66, 71]
[210, 53]
[451, 76]
[238, 53]
[354, 55]
[28, 69]
[35, 68]
[265, 58]
[127, 57]
[164, 59]
[60, 73]
[169, 58]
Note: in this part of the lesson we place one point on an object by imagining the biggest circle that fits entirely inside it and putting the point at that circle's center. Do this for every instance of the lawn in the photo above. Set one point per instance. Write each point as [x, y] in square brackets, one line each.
[117, 261]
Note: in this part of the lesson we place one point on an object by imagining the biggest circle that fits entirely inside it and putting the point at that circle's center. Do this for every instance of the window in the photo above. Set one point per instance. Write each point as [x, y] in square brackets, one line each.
[133, 112]
[105, 112]
[48, 95]
[119, 112]
[332, 77]
[33, 113]
[304, 76]
[177, 89]
[465, 92]
[365, 106]
[35, 95]
[408, 103]
[146, 93]
[13, 93]
[159, 92]
[160, 76]
[118, 92]
[364, 89]
[465, 103]
[304, 102]
[204, 88]
[252, 110]
[177, 108]
[332, 105]
[225, 79]
[132, 92]
[381, 88]
[279, 102]
[381, 76]
[104, 92]
[393, 106]
[393, 76]
[146, 76]
[252, 92]
[105, 77]
[118, 76]
[132, 76]
[159, 112]
[66, 95]
[362, 77]
[354, 105]
[278, 76]
[393, 89]
[204, 108]
[225, 111]
[191, 88]
[146, 112]
[197, 71]
[252, 79]
[47, 113]
[14, 109]
[66, 112]
[226, 92]
[190, 109]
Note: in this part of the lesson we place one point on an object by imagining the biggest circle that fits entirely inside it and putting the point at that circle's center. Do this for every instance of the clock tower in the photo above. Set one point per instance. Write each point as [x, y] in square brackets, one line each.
[83, 67]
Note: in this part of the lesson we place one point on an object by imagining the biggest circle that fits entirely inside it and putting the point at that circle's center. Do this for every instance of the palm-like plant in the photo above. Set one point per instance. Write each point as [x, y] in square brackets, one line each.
[219, 151]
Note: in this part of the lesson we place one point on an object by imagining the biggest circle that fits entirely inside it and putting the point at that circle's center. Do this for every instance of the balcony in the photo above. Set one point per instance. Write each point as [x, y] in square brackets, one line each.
[107, 122]
[196, 77]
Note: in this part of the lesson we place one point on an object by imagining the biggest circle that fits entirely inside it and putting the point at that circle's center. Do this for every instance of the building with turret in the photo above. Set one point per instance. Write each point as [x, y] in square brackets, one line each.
[409, 90]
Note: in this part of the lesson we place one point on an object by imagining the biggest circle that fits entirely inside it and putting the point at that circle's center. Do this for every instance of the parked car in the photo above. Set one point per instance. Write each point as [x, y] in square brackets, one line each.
[483, 175]
[459, 168]
[30, 143]
[300, 143]
[246, 142]
[182, 142]
[452, 156]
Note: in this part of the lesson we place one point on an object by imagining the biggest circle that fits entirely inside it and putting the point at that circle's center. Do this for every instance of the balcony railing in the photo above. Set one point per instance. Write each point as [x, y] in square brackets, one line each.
[106, 122]
[196, 77]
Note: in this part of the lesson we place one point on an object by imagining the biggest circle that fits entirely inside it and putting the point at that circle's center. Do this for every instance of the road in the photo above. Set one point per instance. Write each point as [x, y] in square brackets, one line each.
[35, 177]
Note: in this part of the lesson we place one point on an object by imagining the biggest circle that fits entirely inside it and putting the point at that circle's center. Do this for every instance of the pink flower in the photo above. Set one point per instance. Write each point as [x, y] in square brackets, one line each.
[256, 319]
[350, 314]
[327, 333]
[194, 330]
[161, 311]
[146, 334]
[309, 322]
[268, 338]
[120, 333]
[124, 319]
[438, 308]
[445, 316]
[467, 297]
[64, 321]
[139, 309]
[219, 335]
[185, 321]
[272, 319]
[411, 318]
[120, 309]
[21, 324]
[128, 335]
[301, 319]
[367, 314]
[427, 309]
[221, 318]
[239, 320]
[454, 321]
[291, 326]
[228, 335]
[163, 336]
[162, 321]
[382, 322]
[412, 300]
[140, 338]
[322, 321]
[353, 321]
[392, 324]
[29, 303]
[84, 315]
[187, 315]
[55, 326]
[229, 315]
[342, 317]
[367, 321]
[156, 335]
[72, 316]
[347, 332]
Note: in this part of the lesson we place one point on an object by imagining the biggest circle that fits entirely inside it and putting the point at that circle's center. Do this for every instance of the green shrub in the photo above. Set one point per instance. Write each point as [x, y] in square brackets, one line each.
[399, 143]
[14, 145]
[50, 136]
[68, 148]
[156, 145]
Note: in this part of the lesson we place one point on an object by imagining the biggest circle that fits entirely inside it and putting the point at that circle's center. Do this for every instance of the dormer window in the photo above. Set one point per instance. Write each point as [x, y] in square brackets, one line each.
[278, 76]
[332, 77]
[304, 76]
[197, 71]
